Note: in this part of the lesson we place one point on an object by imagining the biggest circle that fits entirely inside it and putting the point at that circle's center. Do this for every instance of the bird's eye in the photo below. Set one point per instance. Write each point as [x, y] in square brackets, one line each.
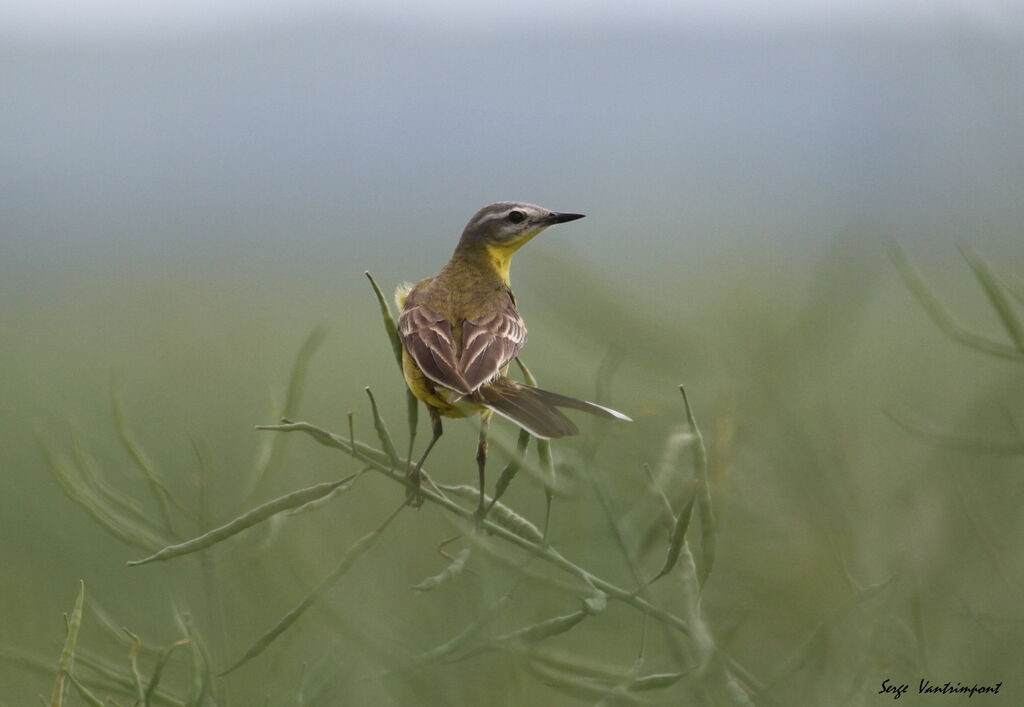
[516, 216]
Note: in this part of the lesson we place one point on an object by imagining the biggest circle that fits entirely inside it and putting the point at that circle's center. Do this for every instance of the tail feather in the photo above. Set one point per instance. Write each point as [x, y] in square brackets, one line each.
[566, 402]
[536, 410]
[527, 410]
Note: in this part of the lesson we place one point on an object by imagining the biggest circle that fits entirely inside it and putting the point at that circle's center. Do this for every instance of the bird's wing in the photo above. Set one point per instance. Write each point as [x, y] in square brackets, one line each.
[427, 337]
[489, 343]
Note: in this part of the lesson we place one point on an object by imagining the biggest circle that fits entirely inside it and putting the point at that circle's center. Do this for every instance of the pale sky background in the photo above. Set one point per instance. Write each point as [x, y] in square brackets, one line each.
[71, 17]
[733, 121]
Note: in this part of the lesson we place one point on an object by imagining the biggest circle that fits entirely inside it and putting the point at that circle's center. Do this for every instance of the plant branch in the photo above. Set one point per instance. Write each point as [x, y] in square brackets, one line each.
[379, 461]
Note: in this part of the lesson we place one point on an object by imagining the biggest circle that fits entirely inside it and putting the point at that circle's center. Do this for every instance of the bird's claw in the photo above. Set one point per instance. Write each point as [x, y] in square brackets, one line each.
[478, 517]
[413, 494]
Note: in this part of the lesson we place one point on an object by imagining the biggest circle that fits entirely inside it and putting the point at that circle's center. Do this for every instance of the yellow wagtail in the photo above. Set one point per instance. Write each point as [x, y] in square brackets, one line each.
[460, 330]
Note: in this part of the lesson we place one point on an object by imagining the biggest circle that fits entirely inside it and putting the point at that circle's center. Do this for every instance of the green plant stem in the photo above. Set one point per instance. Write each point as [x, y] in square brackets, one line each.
[354, 552]
[292, 501]
[942, 317]
[67, 655]
[378, 460]
[269, 455]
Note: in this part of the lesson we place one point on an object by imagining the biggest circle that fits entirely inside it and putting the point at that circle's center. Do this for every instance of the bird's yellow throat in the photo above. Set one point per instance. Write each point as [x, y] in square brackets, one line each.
[499, 255]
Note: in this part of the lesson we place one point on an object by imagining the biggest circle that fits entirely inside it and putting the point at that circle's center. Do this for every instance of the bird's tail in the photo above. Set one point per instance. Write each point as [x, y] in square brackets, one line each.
[536, 410]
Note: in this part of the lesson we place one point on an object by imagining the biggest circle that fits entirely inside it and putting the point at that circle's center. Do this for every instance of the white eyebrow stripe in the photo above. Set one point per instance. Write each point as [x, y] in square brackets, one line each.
[492, 216]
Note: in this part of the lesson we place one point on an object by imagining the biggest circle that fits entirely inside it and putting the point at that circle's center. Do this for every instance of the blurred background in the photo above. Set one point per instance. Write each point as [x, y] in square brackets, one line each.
[188, 189]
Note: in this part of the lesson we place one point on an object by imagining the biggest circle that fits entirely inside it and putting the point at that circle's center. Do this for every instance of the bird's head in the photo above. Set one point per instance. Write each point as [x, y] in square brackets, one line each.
[503, 227]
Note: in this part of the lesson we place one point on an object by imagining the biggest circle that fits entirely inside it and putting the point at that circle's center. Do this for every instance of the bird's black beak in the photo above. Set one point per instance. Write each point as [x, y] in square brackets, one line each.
[556, 217]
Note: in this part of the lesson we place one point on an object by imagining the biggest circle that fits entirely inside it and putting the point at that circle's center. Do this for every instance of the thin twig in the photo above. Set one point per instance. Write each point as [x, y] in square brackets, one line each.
[379, 462]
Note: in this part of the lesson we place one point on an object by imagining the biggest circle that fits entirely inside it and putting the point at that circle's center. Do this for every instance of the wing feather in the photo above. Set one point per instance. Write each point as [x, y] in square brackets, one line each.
[427, 337]
[489, 343]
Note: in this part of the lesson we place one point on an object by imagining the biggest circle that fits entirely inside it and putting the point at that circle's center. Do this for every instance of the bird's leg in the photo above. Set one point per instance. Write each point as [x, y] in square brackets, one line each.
[412, 492]
[481, 462]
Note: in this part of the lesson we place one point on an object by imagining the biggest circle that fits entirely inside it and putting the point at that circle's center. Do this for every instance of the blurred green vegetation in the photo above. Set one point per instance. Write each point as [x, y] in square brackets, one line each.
[849, 548]
[181, 211]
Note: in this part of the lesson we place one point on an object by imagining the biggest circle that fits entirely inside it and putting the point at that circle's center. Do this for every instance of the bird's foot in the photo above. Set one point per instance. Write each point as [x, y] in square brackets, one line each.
[478, 516]
[413, 494]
